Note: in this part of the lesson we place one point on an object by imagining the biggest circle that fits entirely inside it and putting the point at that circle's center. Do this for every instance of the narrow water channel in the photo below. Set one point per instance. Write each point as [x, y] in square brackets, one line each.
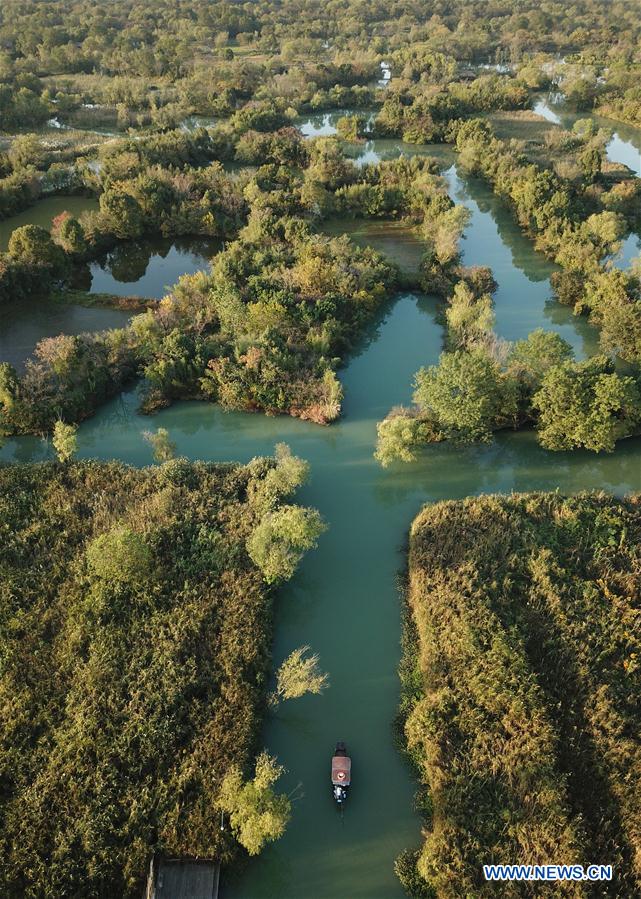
[524, 298]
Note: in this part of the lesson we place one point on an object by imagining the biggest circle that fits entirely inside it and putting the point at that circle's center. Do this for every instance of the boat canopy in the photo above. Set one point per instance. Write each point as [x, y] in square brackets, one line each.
[341, 770]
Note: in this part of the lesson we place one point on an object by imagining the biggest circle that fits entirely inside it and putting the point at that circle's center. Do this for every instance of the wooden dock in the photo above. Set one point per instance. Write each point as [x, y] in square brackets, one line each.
[182, 878]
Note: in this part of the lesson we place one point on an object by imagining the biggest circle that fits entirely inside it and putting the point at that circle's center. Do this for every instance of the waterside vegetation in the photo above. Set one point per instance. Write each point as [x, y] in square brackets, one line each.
[137, 620]
[521, 689]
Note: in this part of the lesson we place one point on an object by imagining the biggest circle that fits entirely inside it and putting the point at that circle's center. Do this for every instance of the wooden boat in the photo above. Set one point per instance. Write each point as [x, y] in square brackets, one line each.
[341, 773]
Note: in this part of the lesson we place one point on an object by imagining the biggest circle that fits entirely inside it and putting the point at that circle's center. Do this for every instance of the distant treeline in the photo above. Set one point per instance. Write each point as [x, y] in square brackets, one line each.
[522, 690]
[158, 39]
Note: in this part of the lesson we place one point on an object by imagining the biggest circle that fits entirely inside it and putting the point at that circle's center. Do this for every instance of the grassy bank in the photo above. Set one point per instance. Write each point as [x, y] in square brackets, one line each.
[76, 297]
[522, 689]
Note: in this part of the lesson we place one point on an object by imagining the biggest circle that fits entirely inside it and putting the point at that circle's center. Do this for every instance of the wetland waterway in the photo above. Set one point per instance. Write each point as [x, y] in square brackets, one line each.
[344, 599]
[144, 268]
[625, 144]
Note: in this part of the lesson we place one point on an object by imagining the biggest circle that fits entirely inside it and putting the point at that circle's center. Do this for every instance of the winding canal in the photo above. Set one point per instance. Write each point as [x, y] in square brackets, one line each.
[344, 600]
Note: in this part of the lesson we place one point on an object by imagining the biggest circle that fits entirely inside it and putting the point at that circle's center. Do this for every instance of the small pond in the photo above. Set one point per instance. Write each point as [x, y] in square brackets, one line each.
[147, 267]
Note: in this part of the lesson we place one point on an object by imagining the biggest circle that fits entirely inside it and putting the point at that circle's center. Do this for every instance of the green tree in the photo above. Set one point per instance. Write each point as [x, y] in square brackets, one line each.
[164, 448]
[282, 480]
[533, 357]
[464, 394]
[65, 440]
[469, 318]
[33, 245]
[350, 127]
[400, 434]
[257, 814]
[120, 556]
[281, 539]
[68, 233]
[621, 330]
[299, 674]
[26, 150]
[591, 160]
[122, 213]
[9, 386]
[586, 404]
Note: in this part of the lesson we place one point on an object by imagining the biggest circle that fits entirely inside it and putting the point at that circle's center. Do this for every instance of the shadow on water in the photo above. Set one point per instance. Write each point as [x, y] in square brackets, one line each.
[147, 267]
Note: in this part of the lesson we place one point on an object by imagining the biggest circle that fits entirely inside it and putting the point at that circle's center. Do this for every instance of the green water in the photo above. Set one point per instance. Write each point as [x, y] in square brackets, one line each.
[147, 267]
[343, 601]
[24, 324]
[42, 213]
[523, 300]
[396, 240]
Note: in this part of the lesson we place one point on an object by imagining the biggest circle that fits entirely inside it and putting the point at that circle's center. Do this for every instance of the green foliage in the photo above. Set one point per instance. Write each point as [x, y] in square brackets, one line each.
[164, 448]
[122, 214]
[26, 150]
[470, 319]
[280, 362]
[405, 868]
[401, 433]
[423, 114]
[258, 814]
[533, 357]
[120, 555]
[69, 234]
[591, 160]
[299, 674]
[587, 404]
[464, 394]
[68, 378]
[136, 654]
[17, 191]
[281, 538]
[350, 127]
[8, 385]
[283, 147]
[263, 330]
[32, 245]
[65, 441]
[469, 395]
[282, 480]
[258, 116]
[525, 718]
